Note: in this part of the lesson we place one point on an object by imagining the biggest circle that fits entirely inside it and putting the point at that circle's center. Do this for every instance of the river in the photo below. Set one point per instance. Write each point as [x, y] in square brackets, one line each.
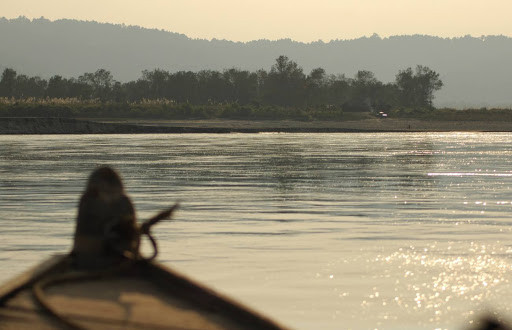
[318, 231]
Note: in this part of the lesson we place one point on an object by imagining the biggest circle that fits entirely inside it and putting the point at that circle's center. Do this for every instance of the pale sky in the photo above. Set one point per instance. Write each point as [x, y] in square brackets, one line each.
[245, 20]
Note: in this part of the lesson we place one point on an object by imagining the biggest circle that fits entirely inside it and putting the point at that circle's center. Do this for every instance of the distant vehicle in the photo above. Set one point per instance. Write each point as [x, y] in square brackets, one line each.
[382, 115]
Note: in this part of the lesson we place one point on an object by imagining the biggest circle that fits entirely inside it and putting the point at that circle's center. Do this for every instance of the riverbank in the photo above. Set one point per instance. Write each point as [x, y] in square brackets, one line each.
[36, 125]
[364, 125]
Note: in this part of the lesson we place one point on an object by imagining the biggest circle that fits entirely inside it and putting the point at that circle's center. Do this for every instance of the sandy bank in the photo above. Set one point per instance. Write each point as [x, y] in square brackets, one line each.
[10, 125]
[33, 125]
[367, 125]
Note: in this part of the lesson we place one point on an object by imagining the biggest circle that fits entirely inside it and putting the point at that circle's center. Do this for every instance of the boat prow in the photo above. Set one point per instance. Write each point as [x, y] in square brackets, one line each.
[145, 295]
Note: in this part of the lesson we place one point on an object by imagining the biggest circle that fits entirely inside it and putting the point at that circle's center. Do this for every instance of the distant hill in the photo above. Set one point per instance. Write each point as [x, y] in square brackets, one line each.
[475, 71]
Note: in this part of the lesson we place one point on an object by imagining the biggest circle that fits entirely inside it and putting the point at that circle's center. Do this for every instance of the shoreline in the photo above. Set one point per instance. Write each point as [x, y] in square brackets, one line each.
[36, 125]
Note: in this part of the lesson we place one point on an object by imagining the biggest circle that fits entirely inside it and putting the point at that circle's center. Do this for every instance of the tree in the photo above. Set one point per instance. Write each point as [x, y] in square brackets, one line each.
[57, 87]
[8, 83]
[184, 86]
[212, 87]
[29, 87]
[261, 78]
[364, 89]
[338, 90]
[417, 88]
[285, 83]
[242, 85]
[100, 83]
[135, 90]
[157, 83]
[316, 86]
[20, 86]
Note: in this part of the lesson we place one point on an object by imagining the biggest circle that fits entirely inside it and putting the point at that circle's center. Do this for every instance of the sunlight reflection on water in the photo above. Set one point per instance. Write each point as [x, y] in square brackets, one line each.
[316, 230]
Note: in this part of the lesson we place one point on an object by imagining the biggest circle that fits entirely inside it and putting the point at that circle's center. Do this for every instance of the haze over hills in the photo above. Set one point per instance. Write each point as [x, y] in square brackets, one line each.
[476, 71]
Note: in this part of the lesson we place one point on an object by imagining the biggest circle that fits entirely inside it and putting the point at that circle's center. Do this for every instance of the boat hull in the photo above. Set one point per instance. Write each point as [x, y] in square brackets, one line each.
[141, 295]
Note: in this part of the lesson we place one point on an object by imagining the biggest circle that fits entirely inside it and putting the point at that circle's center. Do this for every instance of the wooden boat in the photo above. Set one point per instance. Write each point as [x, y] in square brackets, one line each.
[141, 295]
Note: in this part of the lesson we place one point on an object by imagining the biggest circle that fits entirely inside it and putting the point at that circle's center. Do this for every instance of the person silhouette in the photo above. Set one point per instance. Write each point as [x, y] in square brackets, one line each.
[106, 226]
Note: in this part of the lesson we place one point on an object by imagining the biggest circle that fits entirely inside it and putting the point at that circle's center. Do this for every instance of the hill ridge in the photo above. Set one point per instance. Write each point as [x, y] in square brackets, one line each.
[477, 71]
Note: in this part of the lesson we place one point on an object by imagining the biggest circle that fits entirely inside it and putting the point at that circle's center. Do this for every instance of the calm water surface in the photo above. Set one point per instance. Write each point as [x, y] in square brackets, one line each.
[319, 231]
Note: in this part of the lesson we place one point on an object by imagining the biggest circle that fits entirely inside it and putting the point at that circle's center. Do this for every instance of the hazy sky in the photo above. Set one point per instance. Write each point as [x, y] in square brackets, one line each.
[244, 20]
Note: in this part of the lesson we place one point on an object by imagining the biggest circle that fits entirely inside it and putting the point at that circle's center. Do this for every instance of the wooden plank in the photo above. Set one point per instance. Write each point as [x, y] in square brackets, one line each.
[19, 282]
[19, 319]
[117, 302]
[207, 299]
[147, 295]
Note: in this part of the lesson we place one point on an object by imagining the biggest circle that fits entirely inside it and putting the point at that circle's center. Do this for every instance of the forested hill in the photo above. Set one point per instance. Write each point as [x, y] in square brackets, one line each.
[475, 71]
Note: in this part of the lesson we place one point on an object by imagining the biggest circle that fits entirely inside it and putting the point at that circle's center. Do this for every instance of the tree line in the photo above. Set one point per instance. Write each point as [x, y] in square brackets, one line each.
[284, 85]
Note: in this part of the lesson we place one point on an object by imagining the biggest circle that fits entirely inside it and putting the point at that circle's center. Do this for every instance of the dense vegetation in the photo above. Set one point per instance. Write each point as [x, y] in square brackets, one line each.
[284, 91]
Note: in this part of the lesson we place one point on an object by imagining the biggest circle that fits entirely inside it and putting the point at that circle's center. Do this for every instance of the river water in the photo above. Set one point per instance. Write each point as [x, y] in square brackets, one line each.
[318, 231]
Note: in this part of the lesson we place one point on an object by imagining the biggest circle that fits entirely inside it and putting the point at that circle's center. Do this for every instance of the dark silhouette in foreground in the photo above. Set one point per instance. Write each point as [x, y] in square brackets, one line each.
[106, 228]
[106, 224]
[491, 323]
